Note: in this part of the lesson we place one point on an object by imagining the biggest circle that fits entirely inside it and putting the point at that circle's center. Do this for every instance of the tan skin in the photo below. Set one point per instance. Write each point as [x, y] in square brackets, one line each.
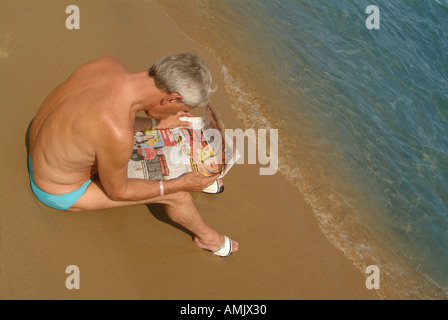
[86, 126]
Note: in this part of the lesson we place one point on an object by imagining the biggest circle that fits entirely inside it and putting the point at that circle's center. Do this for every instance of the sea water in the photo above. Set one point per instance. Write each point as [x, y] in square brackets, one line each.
[362, 116]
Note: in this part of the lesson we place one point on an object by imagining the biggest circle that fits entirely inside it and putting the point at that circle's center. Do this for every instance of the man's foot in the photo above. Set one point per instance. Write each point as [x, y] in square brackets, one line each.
[222, 246]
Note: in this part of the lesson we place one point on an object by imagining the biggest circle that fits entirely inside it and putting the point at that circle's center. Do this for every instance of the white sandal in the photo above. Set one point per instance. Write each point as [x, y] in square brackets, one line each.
[225, 250]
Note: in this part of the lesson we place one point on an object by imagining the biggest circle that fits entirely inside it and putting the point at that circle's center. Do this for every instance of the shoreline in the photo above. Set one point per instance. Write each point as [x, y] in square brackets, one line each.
[136, 253]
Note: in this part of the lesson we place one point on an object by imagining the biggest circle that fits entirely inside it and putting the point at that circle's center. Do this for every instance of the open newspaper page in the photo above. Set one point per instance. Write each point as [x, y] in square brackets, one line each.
[169, 154]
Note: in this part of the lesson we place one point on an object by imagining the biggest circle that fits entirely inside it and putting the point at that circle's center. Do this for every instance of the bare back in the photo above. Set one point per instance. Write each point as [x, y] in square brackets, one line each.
[74, 119]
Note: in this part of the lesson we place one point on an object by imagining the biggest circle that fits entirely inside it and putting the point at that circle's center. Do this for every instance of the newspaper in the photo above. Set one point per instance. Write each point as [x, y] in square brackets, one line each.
[170, 153]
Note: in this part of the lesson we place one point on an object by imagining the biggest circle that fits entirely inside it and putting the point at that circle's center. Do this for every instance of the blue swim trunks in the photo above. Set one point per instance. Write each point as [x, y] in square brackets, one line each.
[57, 201]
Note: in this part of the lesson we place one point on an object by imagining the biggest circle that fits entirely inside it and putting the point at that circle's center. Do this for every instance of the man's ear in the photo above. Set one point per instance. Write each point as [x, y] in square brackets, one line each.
[173, 97]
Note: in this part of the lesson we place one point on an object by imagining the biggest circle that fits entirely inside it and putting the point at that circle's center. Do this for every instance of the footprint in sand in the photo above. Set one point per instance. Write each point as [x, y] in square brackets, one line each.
[7, 45]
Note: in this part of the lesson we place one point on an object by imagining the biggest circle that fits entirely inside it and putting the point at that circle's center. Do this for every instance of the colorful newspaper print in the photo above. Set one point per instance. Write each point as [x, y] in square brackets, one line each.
[169, 154]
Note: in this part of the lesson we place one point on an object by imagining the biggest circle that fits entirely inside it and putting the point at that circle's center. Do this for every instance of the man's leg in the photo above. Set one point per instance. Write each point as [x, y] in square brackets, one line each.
[184, 212]
[180, 208]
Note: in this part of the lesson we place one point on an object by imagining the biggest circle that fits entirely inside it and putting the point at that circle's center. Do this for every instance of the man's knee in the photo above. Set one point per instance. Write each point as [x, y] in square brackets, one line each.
[180, 198]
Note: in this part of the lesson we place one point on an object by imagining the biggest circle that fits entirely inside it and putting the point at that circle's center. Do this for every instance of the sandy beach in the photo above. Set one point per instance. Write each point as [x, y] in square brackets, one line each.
[136, 252]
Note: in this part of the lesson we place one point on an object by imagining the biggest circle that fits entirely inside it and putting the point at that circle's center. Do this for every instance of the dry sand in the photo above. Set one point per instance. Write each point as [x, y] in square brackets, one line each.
[135, 252]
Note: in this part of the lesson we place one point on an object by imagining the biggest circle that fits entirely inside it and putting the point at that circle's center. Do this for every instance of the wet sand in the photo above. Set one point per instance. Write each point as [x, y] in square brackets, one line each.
[136, 252]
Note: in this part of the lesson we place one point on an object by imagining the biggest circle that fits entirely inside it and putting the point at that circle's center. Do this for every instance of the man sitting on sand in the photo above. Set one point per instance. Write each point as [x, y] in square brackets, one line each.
[81, 140]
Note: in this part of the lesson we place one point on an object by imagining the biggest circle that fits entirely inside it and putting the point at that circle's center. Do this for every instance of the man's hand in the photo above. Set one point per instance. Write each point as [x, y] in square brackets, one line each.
[195, 181]
[173, 121]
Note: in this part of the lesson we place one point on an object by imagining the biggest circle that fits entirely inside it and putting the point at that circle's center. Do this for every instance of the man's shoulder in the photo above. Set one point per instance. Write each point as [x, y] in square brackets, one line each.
[107, 74]
[103, 65]
[107, 60]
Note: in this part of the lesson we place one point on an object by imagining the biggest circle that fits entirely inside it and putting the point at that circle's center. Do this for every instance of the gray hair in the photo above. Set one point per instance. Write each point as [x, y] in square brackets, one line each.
[185, 74]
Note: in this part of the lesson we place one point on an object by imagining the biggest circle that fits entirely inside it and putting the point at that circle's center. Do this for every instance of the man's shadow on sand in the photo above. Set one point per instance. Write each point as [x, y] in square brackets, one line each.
[157, 210]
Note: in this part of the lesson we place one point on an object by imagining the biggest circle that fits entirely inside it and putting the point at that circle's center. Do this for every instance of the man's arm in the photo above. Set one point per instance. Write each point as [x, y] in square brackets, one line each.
[113, 158]
[169, 122]
[141, 124]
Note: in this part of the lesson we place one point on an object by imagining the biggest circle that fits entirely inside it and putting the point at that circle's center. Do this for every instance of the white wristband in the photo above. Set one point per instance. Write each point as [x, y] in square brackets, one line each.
[153, 123]
[162, 191]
